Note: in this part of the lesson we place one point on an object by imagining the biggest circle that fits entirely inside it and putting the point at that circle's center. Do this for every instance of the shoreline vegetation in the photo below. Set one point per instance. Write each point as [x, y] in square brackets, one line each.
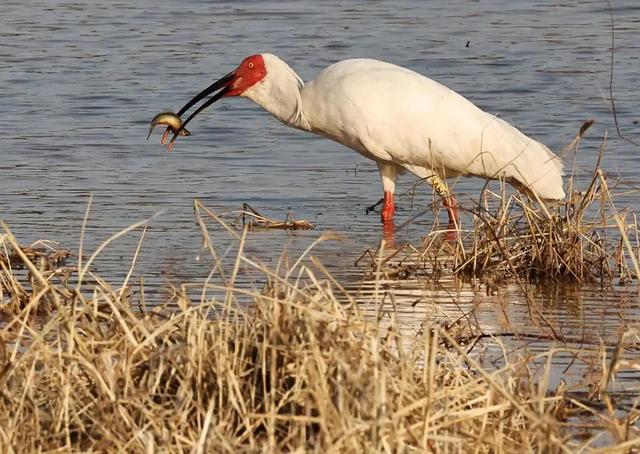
[86, 364]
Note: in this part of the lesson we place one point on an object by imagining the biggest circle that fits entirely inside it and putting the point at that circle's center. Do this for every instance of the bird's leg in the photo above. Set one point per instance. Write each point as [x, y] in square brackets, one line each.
[452, 209]
[388, 174]
[388, 207]
[449, 202]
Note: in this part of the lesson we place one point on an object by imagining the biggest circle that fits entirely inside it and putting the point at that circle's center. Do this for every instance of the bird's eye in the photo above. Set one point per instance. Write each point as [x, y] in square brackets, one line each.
[250, 65]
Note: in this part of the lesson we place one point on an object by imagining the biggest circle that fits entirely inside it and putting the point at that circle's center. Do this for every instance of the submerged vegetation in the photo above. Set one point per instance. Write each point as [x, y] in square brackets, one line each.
[299, 364]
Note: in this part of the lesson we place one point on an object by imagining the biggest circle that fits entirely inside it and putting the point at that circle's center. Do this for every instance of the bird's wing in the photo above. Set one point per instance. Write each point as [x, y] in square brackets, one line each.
[402, 116]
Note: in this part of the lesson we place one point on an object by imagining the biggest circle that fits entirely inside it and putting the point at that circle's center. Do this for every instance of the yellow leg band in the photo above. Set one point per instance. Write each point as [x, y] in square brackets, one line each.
[439, 186]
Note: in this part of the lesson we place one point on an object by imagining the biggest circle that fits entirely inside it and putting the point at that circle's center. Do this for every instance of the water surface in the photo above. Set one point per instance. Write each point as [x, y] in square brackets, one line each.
[79, 82]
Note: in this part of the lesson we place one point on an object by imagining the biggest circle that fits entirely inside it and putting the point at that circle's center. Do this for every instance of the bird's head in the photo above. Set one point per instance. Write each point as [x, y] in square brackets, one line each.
[263, 78]
[250, 72]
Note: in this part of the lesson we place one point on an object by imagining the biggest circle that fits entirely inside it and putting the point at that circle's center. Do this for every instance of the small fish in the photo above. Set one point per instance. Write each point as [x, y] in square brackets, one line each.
[173, 123]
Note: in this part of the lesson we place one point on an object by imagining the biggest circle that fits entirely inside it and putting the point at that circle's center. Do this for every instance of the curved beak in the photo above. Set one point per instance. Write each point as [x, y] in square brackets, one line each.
[222, 85]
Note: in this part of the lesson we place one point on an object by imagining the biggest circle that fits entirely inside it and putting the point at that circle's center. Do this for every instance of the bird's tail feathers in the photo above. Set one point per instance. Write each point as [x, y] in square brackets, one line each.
[544, 179]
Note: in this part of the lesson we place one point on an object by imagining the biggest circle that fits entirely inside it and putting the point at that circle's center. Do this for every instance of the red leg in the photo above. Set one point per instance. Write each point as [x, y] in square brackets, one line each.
[388, 175]
[388, 207]
[454, 218]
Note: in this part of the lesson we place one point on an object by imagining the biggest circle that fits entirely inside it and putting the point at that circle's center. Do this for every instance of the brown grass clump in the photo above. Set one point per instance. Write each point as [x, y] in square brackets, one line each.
[293, 371]
[584, 239]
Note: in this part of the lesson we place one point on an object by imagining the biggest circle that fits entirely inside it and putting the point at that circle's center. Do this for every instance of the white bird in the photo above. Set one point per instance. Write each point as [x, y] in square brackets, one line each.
[402, 120]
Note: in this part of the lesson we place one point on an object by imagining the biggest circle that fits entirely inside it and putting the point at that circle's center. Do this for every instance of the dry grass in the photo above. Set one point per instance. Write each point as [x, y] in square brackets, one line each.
[561, 243]
[585, 239]
[86, 366]
[255, 220]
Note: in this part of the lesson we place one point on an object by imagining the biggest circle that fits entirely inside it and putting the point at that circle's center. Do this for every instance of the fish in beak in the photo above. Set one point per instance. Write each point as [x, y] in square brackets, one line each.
[251, 71]
[221, 86]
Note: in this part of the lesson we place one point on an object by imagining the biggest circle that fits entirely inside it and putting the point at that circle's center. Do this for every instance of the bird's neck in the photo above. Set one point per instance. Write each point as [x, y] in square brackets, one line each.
[281, 96]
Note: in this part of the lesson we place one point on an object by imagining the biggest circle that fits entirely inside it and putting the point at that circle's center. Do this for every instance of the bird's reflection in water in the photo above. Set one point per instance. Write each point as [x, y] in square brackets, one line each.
[389, 234]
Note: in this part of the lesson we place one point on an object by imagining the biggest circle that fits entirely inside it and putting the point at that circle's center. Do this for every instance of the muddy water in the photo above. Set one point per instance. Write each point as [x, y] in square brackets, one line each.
[80, 80]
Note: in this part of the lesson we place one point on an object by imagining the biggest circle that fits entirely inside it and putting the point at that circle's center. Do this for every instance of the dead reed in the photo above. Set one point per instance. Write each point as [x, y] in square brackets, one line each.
[87, 366]
[585, 239]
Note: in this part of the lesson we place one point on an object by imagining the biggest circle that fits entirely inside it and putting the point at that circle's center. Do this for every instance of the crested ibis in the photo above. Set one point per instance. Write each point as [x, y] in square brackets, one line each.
[402, 120]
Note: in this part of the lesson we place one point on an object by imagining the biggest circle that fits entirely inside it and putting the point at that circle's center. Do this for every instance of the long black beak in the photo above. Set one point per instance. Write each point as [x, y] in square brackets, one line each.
[222, 85]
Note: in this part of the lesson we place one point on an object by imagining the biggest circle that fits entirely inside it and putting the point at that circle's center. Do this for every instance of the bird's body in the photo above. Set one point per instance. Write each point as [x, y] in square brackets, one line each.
[400, 119]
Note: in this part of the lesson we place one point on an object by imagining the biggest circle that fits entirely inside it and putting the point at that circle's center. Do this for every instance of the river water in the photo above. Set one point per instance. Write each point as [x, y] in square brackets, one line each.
[79, 82]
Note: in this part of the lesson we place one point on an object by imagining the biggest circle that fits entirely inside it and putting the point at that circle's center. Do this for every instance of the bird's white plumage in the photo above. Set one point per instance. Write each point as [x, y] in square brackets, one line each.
[405, 120]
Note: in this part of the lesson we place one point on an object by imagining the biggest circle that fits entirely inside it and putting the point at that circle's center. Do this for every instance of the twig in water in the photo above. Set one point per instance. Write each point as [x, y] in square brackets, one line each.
[258, 221]
[372, 208]
[613, 104]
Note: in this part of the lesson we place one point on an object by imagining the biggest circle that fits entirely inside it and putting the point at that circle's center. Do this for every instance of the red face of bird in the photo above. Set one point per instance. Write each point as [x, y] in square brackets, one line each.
[251, 71]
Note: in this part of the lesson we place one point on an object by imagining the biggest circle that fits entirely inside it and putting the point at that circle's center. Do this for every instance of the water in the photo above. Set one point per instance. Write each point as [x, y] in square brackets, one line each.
[79, 82]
